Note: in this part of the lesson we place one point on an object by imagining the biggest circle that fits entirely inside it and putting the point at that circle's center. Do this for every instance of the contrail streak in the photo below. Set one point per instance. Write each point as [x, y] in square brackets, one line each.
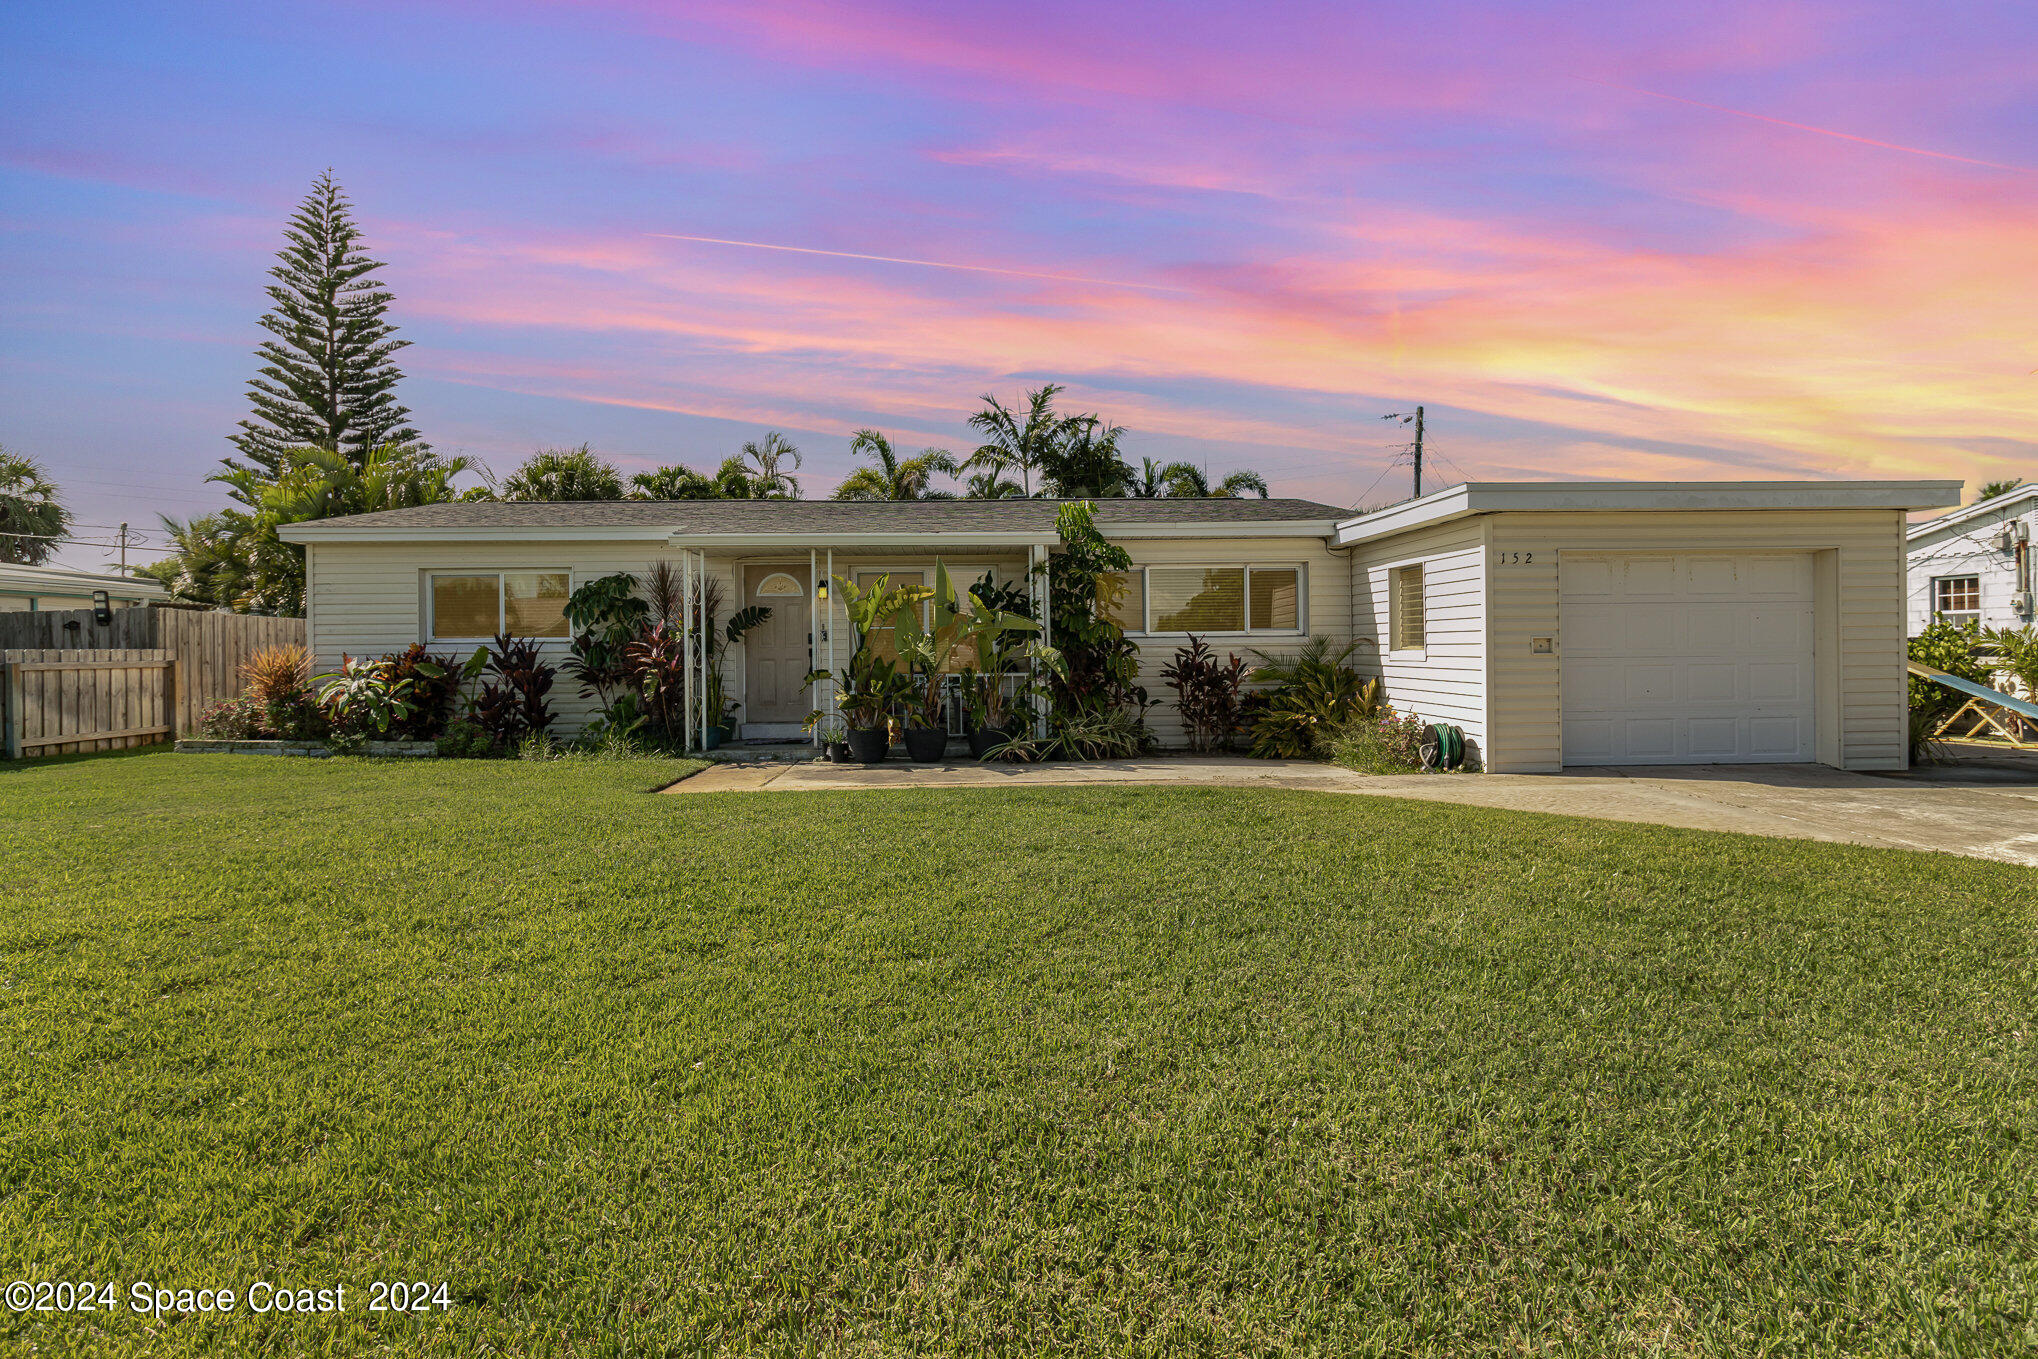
[1807, 127]
[925, 264]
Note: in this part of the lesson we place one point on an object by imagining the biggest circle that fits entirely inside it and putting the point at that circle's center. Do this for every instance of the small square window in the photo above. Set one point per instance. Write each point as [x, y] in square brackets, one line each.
[1957, 598]
[1408, 620]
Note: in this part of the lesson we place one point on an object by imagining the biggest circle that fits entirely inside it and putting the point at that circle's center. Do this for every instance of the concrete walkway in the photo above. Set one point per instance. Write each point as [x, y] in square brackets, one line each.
[1986, 820]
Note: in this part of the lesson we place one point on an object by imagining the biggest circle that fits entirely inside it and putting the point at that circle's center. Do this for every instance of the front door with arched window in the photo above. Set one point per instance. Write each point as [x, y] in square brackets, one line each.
[776, 657]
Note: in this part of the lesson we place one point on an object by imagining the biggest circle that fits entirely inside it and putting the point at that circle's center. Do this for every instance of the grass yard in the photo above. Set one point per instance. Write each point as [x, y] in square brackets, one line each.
[1136, 1071]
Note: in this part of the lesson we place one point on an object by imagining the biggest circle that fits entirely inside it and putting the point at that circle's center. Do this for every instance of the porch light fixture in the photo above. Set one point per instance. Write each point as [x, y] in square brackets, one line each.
[821, 590]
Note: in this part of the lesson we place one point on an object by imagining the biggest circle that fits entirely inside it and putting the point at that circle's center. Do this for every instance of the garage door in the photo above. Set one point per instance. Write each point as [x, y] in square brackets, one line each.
[1686, 658]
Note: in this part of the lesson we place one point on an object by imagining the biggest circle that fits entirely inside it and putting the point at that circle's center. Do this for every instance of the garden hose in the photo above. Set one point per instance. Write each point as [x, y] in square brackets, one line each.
[1443, 746]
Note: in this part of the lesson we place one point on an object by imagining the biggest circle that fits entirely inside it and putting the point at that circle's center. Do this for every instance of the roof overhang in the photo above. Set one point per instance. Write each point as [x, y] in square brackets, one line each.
[1495, 497]
[58, 580]
[1982, 513]
[340, 531]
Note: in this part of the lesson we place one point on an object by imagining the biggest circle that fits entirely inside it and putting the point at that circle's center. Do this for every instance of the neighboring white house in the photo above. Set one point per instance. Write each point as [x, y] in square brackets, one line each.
[1975, 563]
[1557, 623]
[40, 588]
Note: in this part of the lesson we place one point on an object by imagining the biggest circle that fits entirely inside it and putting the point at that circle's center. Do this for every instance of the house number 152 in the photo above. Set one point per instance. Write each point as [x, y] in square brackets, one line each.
[1513, 558]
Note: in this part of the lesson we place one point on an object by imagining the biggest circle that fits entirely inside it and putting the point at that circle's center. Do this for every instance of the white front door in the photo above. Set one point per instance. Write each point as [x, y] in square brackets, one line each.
[775, 654]
[1686, 657]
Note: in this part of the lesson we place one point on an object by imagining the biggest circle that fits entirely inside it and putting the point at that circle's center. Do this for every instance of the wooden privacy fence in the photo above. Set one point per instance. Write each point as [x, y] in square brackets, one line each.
[205, 649]
[74, 702]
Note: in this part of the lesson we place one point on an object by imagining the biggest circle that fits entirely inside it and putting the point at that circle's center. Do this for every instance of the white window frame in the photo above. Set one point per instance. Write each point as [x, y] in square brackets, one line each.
[501, 604]
[1394, 593]
[1301, 570]
[1957, 615]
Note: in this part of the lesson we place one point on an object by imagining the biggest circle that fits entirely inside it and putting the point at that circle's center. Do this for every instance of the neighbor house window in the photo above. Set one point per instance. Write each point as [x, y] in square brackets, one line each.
[1408, 621]
[1957, 598]
[1200, 599]
[471, 605]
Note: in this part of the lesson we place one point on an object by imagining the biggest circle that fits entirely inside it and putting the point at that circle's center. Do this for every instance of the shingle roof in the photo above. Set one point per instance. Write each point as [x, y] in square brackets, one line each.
[826, 516]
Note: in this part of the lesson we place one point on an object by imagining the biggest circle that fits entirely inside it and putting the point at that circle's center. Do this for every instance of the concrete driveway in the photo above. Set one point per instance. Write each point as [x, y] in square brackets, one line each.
[1974, 815]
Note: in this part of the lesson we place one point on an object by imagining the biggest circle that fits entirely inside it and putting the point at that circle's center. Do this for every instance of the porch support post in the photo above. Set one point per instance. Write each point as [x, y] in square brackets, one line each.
[686, 650]
[1036, 561]
[707, 643]
[828, 626]
[813, 637]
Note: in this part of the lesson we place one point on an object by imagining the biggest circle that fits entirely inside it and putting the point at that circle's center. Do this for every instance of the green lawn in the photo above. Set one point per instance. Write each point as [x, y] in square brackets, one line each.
[1063, 1071]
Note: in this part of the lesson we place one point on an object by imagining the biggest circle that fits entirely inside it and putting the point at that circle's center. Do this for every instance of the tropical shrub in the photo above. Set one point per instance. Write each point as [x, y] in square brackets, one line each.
[1098, 669]
[466, 740]
[235, 719]
[605, 616]
[432, 683]
[364, 696]
[1110, 734]
[1387, 742]
[656, 666]
[512, 705]
[1206, 693]
[1315, 691]
[2017, 652]
[295, 715]
[274, 671]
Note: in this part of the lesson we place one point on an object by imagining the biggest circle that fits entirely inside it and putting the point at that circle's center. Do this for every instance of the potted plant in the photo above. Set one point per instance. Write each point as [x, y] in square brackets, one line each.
[707, 604]
[871, 685]
[833, 728]
[930, 648]
[999, 637]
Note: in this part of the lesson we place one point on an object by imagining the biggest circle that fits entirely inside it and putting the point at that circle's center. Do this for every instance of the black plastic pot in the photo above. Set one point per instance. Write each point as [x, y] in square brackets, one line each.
[838, 752]
[867, 745]
[983, 740]
[926, 745]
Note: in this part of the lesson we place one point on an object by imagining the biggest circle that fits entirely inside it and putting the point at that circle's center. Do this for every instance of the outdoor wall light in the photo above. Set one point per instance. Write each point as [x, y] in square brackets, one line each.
[102, 608]
[821, 590]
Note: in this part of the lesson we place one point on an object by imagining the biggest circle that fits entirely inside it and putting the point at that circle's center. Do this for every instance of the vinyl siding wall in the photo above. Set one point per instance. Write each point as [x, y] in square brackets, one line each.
[1326, 592]
[369, 598]
[1867, 582]
[1446, 680]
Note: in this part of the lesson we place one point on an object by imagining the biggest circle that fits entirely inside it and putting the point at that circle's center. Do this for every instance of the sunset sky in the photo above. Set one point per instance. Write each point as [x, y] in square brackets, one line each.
[1730, 240]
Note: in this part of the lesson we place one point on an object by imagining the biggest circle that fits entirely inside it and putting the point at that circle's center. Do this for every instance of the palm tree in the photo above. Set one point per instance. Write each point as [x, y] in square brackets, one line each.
[765, 460]
[890, 477]
[992, 486]
[31, 519]
[1990, 490]
[1187, 480]
[1011, 445]
[1085, 461]
[676, 481]
[559, 474]
[1150, 482]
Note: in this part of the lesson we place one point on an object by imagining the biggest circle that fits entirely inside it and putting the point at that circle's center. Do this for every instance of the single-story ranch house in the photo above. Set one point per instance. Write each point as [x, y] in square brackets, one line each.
[1975, 564]
[1557, 623]
[32, 589]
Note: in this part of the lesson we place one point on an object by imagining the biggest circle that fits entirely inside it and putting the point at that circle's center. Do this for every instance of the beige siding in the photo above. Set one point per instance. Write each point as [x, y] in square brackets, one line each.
[1326, 609]
[368, 598]
[1526, 719]
[1446, 680]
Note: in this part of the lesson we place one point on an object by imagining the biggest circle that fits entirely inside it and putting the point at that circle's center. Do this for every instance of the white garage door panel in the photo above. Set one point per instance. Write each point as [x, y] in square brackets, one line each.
[1686, 658]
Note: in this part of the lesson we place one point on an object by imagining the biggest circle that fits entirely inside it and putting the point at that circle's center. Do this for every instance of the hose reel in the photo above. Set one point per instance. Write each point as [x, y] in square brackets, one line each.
[1443, 746]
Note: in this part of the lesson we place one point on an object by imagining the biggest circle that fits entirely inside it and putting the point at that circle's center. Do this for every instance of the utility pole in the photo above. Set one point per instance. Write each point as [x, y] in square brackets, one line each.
[123, 545]
[1405, 419]
[1418, 454]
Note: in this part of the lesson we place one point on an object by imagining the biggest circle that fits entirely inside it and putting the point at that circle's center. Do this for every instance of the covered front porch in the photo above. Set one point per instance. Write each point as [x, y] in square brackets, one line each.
[768, 680]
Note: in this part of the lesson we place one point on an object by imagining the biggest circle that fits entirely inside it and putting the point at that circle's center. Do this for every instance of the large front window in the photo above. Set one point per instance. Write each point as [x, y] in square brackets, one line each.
[1957, 598]
[471, 606]
[1203, 599]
